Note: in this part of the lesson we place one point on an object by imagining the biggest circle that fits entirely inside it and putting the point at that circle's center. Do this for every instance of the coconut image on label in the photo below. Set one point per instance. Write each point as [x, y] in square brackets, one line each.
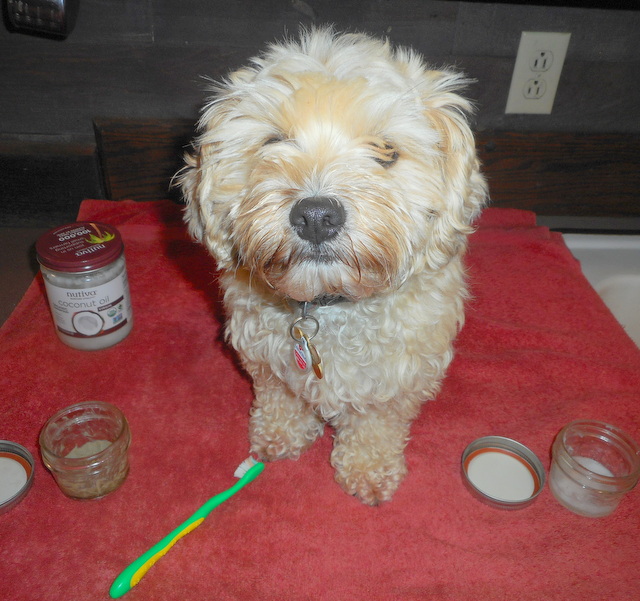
[87, 323]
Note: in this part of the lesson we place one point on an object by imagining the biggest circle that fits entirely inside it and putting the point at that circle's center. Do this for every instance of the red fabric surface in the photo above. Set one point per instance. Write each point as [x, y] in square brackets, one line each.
[538, 350]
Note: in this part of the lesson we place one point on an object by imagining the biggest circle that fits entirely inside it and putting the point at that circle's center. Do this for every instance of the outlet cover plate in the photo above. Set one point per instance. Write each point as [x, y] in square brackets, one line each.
[539, 62]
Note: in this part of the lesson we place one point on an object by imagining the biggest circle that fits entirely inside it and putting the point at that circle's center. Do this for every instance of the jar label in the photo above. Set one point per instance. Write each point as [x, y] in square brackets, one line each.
[91, 312]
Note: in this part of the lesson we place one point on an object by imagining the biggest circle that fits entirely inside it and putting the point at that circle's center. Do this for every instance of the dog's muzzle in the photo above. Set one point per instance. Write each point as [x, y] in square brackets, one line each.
[317, 219]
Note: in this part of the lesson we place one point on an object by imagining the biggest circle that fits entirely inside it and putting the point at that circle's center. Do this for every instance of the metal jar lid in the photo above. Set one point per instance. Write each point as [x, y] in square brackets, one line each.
[79, 247]
[16, 474]
[502, 472]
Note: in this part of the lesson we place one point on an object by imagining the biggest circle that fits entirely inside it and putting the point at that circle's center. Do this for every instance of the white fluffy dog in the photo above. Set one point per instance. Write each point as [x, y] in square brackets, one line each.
[335, 182]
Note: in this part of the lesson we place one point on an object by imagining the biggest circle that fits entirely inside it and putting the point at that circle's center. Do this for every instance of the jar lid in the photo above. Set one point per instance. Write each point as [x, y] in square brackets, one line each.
[80, 246]
[16, 474]
[502, 472]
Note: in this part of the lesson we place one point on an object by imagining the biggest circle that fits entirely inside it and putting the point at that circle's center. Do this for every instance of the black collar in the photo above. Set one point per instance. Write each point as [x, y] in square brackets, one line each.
[326, 300]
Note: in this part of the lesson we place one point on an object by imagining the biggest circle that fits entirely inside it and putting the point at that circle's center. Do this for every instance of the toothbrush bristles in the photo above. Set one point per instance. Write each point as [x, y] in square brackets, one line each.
[244, 467]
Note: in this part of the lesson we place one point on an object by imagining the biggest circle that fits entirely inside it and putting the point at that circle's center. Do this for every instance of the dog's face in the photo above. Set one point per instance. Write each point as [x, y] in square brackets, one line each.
[334, 166]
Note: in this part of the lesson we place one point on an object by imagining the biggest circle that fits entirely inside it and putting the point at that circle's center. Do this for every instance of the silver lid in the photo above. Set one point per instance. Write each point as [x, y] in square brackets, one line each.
[502, 472]
[16, 474]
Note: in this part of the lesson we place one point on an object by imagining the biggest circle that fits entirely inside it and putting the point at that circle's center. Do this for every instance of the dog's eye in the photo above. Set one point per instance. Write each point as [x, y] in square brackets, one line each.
[273, 140]
[384, 154]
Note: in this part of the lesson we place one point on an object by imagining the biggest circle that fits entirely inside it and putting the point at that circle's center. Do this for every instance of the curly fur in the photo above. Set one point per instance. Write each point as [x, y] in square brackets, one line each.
[347, 117]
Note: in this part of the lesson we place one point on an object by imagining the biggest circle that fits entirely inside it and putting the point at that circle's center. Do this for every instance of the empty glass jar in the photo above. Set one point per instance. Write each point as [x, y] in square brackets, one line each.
[594, 465]
[86, 448]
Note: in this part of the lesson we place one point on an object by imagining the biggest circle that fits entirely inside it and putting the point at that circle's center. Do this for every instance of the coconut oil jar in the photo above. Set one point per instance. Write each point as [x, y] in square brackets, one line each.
[85, 276]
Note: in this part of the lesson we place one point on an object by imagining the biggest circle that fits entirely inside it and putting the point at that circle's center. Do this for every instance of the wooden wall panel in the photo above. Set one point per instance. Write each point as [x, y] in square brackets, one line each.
[146, 59]
[43, 183]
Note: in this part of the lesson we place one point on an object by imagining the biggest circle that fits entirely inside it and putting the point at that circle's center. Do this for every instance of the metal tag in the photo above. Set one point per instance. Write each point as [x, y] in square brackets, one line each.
[301, 352]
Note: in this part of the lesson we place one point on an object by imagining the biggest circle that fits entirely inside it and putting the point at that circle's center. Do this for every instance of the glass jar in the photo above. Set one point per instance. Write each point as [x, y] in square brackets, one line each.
[593, 466]
[85, 277]
[86, 448]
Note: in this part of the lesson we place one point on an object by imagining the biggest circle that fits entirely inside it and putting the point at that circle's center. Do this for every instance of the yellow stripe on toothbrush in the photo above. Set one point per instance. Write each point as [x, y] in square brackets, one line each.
[144, 568]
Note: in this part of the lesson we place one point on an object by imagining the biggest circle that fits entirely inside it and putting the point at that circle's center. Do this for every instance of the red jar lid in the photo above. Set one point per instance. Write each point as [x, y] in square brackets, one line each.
[80, 246]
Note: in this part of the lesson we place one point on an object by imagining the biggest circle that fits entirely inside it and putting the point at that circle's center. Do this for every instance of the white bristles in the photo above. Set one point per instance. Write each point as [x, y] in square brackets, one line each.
[244, 467]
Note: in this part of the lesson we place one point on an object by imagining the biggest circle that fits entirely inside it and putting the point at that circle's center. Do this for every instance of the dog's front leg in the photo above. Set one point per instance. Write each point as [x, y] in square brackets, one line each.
[368, 453]
[281, 424]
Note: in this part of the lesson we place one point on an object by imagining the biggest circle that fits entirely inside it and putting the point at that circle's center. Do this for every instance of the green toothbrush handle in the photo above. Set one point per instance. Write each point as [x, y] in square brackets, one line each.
[134, 572]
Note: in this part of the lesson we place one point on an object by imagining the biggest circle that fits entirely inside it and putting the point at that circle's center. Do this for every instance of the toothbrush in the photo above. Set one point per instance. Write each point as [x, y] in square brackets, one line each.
[247, 471]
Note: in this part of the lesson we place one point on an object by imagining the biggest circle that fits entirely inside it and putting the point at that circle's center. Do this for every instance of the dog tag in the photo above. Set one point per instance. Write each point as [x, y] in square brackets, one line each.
[301, 351]
[316, 361]
[305, 354]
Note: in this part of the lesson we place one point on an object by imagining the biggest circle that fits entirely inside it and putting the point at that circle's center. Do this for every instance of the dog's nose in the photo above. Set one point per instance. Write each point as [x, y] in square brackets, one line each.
[317, 218]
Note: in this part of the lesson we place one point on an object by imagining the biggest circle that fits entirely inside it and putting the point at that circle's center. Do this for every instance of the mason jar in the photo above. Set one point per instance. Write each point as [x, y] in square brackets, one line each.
[593, 466]
[86, 448]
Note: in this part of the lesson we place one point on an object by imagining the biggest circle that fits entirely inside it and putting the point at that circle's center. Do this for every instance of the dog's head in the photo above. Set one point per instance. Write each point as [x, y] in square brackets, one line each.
[334, 165]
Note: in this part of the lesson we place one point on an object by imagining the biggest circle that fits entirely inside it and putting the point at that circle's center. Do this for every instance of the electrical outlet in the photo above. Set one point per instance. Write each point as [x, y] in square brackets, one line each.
[535, 88]
[541, 60]
[536, 73]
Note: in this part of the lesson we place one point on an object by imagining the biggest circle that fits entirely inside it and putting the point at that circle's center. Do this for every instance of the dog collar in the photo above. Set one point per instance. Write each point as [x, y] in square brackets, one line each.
[326, 300]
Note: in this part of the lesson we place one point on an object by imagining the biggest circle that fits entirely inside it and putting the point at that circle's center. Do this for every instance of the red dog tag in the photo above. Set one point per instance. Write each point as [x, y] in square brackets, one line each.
[302, 355]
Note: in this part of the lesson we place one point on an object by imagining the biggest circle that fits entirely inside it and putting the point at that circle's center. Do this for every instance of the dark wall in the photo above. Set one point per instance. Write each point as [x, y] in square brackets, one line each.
[134, 58]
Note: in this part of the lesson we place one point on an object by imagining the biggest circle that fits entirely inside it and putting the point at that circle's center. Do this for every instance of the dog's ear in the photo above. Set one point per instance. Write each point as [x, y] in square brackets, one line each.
[201, 181]
[188, 178]
[447, 111]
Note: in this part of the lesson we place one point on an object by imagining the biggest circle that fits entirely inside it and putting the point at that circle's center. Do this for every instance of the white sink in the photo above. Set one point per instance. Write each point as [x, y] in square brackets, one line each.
[611, 263]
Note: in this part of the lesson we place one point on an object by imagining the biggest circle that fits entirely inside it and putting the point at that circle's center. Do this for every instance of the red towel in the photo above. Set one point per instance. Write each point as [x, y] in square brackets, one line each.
[538, 350]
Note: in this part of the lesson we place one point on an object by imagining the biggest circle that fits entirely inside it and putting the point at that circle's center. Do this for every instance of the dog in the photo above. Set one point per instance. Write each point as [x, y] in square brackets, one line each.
[335, 181]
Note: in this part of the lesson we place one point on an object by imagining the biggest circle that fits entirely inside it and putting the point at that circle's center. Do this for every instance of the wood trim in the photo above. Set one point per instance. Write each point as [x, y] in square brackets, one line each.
[563, 173]
[138, 158]
[551, 173]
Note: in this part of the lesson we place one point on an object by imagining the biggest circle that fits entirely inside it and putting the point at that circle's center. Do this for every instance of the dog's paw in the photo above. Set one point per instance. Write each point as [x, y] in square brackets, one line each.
[372, 481]
[288, 438]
